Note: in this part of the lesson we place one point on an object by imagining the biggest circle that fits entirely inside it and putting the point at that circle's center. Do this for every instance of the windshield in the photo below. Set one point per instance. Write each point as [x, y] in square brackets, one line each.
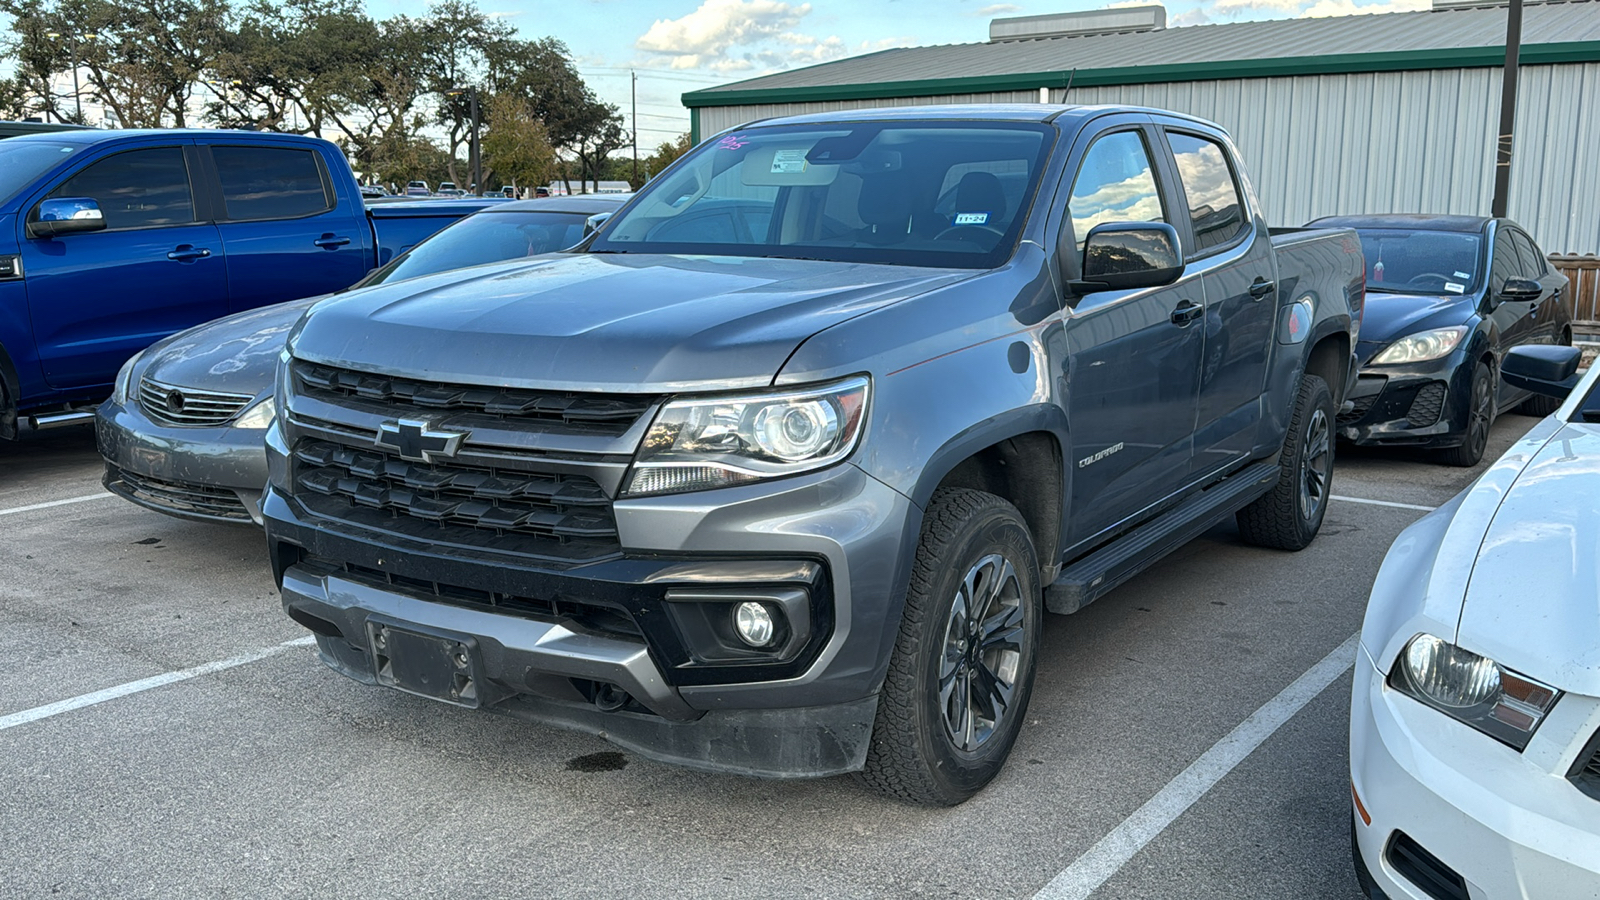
[485, 237]
[1401, 261]
[918, 193]
[23, 161]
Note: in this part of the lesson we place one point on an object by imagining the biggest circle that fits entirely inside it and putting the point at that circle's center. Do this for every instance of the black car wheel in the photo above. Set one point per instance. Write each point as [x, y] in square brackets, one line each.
[1289, 516]
[1480, 416]
[962, 670]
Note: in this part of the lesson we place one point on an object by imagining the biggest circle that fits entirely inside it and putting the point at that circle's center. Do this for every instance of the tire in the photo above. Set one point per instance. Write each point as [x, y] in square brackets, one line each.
[1289, 516]
[1480, 417]
[974, 547]
[1539, 405]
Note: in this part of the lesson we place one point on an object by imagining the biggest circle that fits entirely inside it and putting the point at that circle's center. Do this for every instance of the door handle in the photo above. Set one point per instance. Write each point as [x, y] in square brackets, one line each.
[1262, 287]
[1187, 312]
[331, 242]
[188, 253]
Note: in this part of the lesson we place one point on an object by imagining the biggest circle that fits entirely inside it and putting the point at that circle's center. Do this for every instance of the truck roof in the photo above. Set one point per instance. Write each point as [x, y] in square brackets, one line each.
[978, 112]
[97, 135]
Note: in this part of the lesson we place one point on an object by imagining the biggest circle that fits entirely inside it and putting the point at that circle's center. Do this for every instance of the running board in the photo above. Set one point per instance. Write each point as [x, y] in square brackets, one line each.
[1093, 576]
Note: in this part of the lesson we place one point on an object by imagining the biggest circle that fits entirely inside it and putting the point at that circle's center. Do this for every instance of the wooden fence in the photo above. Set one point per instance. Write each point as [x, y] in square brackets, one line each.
[1583, 294]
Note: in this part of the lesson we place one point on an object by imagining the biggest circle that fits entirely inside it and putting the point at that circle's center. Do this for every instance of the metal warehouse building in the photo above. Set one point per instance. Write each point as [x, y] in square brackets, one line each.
[1377, 113]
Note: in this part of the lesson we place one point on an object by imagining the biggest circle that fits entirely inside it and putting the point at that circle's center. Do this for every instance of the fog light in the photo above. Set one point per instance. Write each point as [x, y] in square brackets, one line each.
[753, 622]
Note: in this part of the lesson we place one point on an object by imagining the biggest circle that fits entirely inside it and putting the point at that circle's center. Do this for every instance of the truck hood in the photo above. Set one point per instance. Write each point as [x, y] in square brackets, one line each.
[1389, 317]
[236, 354]
[632, 323]
[1533, 601]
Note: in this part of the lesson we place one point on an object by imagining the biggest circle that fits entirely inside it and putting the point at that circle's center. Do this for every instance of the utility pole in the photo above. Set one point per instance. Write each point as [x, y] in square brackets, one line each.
[72, 50]
[635, 85]
[1508, 112]
[477, 151]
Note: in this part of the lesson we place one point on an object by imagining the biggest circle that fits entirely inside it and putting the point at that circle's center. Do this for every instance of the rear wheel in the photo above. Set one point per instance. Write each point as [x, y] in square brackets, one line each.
[1289, 516]
[963, 664]
[1540, 405]
[1480, 416]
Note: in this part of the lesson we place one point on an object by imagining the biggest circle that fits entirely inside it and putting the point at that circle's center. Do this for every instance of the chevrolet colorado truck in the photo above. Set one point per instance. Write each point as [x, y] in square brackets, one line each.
[778, 472]
[112, 240]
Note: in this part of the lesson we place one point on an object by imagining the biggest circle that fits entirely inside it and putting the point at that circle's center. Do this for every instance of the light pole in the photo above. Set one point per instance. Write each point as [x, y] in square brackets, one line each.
[1500, 202]
[72, 50]
[635, 125]
[475, 159]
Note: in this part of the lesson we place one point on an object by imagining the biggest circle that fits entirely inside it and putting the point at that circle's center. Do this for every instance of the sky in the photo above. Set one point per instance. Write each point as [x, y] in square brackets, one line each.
[681, 45]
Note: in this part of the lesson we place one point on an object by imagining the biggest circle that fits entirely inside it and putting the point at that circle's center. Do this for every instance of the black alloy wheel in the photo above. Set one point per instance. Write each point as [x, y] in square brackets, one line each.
[1289, 516]
[1480, 417]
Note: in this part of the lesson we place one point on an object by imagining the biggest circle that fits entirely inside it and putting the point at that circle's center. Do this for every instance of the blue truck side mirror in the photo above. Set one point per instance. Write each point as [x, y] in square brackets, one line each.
[66, 215]
[593, 223]
[1120, 256]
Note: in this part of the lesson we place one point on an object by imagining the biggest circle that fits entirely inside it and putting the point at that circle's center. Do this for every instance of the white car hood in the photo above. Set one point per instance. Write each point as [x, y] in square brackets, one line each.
[1533, 600]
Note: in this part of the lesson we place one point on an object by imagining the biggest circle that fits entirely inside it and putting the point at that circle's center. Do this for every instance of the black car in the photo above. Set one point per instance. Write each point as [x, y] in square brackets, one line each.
[1447, 296]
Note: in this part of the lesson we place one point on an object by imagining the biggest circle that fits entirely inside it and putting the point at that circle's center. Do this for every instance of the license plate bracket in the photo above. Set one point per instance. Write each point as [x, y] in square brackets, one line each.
[438, 665]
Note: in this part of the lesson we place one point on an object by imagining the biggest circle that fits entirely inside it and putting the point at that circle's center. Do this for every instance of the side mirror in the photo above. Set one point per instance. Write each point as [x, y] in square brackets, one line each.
[593, 223]
[66, 215]
[1521, 289]
[1119, 256]
[1543, 369]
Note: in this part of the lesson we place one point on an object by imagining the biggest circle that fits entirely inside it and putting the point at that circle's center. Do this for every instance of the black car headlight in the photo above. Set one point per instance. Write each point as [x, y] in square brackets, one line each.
[711, 442]
[1472, 689]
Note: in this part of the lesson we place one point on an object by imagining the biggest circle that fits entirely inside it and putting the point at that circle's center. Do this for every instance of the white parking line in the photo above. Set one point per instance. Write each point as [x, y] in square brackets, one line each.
[70, 500]
[1106, 858]
[145, 684]
[1389, 503]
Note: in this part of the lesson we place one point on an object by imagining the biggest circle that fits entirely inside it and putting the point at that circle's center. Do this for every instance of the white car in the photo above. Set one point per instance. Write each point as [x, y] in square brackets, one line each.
[1475, 714]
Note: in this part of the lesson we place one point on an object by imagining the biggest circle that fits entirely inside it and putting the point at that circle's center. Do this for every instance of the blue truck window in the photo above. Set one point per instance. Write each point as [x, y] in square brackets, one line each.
[137, 189]
[270, 183]
[1215, 211]
[1114, 184]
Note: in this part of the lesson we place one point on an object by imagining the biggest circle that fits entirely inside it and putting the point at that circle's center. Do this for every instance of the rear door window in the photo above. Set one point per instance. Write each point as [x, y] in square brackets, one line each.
[1115, 183]
[137, 189]
[271, 183]
[1216, 211]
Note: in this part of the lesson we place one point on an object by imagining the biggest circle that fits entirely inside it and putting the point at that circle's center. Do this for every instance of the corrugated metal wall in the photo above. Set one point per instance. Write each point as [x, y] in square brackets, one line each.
[1366, 143]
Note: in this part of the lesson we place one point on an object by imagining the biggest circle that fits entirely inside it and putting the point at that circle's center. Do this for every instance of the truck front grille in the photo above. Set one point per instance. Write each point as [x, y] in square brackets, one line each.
[608, 414]
[554, 516]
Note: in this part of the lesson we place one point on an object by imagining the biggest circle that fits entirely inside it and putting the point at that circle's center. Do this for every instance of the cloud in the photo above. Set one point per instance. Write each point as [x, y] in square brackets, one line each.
[718, 26]
[1305, 9]
[998, 9]
[1196, 16]
[1324, 8]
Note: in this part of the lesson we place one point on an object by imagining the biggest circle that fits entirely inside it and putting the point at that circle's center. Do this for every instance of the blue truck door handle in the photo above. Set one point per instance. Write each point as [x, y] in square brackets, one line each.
[1187, 312]
[188, 253]
[1261, 287]
[331, 241]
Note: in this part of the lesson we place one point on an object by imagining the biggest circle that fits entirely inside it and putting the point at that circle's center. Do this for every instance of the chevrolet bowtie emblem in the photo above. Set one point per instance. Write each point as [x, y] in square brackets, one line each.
[417, 441]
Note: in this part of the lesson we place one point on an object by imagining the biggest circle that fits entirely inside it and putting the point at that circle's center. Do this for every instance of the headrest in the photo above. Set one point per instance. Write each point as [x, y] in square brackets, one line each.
[885, 199]
[981, 192]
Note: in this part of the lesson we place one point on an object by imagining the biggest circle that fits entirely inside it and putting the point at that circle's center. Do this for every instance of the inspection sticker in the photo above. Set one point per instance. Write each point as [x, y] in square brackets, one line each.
[1454, 288]
[1464, 276]
[972, 218]
[788, 162]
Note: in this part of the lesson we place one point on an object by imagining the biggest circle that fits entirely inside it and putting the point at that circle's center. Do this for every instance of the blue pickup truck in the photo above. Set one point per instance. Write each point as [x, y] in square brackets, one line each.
[112, 240]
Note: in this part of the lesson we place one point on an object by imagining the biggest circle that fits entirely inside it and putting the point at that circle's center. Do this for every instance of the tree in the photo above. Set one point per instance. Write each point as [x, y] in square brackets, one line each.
[666, 154]
[517, 146]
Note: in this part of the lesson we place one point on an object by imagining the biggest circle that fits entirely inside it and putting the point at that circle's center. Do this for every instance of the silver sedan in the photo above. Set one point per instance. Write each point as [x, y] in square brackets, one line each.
[182, 432]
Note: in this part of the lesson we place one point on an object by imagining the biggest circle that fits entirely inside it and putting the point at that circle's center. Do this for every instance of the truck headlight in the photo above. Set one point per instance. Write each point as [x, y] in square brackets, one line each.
[700, 443]
[124, 383]
[1422, 346]
[1472, 689]
[259, 416]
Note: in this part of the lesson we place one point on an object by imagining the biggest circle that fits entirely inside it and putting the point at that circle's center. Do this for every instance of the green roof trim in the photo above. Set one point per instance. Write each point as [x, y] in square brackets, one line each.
[1339, 64]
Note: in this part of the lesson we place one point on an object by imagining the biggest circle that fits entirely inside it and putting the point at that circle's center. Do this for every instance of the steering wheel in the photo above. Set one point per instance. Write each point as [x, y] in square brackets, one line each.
[1416, 278]
[990, 229]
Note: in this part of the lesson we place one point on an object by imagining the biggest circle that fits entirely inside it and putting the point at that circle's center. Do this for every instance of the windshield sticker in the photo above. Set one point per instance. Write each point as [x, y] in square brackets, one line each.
[1464, 276]
[972, 218]
[788, 162]
[1454, 288]
[731, 142]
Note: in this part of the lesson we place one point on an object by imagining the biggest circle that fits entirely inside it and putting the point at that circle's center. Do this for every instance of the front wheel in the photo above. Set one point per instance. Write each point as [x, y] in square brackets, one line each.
[1289, 516]
[963, 664]
[1480, 416]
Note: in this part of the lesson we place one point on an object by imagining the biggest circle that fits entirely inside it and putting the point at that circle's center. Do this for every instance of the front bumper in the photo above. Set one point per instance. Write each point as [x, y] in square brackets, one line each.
[210, 474]
[546, 654]
[1507, 824]
[1422, 405]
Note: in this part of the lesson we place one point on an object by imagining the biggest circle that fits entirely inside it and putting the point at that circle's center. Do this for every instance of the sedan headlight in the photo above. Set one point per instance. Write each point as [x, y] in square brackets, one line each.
[259, 416]
[695, 444]
[124, 383]
[1422, 346]
[1472, 689]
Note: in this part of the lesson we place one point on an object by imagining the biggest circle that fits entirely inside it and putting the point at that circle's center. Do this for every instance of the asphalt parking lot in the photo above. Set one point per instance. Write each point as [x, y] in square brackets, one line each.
[268, 775]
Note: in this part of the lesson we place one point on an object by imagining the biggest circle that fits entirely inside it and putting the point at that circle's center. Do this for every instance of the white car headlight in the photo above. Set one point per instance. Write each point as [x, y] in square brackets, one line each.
[259, 416]
[1472, 689]
[124, 383]
[1422, 346]
[713, 442]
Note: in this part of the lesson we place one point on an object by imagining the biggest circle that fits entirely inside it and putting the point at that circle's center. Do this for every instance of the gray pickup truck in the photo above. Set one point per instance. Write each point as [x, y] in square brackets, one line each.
[778, 472]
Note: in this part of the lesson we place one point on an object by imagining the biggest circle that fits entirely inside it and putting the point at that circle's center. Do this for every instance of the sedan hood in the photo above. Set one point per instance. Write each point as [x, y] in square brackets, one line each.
[1533, 601]
[1389, 317]
[236, 354]
[587, 322]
